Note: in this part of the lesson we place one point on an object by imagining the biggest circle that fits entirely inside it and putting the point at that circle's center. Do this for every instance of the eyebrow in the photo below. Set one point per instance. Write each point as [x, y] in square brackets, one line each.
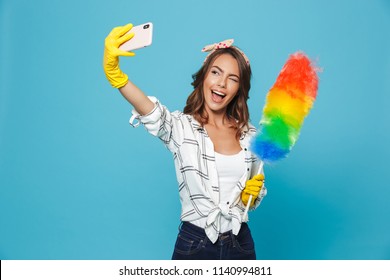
[220, 69]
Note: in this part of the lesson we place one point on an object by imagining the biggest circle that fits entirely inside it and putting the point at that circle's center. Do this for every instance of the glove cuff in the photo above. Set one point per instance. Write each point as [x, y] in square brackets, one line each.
[121, 81]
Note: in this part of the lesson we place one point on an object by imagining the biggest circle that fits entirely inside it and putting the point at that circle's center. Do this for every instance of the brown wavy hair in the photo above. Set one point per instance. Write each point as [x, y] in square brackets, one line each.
[237, 110]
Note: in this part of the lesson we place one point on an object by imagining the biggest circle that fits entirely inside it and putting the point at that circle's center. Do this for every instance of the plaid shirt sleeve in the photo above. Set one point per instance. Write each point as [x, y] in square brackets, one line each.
[163, 124]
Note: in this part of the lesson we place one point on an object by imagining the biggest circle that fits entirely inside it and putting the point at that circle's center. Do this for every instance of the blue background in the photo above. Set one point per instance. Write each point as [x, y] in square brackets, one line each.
[77, 182]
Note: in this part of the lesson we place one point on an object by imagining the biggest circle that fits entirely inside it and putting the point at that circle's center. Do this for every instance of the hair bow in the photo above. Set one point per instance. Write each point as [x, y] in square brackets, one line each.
[223, 45]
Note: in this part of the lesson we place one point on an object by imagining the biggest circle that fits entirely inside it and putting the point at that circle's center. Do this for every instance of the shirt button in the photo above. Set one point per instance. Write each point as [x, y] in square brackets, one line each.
[245, 149]
[248, 169]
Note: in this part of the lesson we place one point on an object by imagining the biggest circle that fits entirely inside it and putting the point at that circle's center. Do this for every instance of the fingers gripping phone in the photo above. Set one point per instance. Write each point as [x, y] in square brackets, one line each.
[143, 34]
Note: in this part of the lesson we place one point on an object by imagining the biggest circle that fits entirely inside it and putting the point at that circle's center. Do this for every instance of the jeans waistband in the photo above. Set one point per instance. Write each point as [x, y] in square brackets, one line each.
[200, 232]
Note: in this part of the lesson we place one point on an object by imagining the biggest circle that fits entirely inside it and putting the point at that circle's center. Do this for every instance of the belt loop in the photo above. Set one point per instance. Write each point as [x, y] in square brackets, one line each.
[233, 239]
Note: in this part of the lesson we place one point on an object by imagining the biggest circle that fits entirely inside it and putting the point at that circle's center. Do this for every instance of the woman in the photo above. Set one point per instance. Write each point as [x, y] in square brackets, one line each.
[209, 140]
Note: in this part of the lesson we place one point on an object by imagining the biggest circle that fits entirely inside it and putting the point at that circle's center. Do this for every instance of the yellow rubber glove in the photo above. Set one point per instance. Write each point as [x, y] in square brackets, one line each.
[252, 187]
[112, 52]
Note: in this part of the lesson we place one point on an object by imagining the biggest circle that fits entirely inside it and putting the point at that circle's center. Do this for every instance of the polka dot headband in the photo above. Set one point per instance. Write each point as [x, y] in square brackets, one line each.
[223, 45]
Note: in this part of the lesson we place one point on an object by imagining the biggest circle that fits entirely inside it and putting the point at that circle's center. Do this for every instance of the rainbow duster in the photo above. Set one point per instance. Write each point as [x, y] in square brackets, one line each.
[287, 104]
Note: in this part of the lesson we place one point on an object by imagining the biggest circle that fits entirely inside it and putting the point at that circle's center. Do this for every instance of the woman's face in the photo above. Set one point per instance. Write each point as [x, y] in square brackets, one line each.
[221, 83]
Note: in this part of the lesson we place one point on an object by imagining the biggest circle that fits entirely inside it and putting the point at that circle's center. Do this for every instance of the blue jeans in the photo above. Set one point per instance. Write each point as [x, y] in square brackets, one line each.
[193, 244]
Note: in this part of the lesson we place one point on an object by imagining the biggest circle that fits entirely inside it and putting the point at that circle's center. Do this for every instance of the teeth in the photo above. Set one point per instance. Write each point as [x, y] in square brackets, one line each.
[218, 93]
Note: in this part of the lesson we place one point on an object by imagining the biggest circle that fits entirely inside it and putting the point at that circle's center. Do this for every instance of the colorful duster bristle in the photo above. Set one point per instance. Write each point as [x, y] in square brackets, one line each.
[288, 103]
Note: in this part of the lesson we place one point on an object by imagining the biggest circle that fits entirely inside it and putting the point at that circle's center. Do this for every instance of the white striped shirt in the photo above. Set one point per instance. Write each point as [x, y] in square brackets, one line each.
[194, 158]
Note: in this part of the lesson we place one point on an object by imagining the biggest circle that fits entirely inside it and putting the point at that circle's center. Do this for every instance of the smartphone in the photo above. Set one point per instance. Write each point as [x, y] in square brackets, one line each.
[143, 34]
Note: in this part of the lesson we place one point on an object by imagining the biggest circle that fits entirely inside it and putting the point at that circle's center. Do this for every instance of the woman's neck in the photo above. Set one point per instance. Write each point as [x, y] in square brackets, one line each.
[217, 119]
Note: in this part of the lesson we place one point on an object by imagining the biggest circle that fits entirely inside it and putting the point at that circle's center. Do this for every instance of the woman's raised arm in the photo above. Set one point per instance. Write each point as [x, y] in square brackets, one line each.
[116, 77]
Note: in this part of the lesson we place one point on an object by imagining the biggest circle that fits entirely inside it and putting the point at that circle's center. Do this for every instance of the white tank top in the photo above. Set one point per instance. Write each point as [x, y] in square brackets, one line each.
[230, 169]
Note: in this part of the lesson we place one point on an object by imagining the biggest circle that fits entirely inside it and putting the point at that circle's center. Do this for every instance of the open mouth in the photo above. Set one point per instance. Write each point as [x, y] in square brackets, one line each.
[217, 96]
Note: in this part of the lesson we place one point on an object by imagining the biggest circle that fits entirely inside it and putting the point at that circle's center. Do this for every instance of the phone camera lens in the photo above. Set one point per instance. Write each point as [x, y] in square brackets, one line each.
[146, 26]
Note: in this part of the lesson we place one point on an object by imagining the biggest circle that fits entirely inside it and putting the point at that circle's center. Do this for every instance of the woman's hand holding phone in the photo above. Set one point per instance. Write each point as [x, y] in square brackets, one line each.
[113, 41]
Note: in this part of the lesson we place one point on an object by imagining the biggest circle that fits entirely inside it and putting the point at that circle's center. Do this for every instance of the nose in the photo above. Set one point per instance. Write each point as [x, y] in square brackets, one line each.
[222, 82]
